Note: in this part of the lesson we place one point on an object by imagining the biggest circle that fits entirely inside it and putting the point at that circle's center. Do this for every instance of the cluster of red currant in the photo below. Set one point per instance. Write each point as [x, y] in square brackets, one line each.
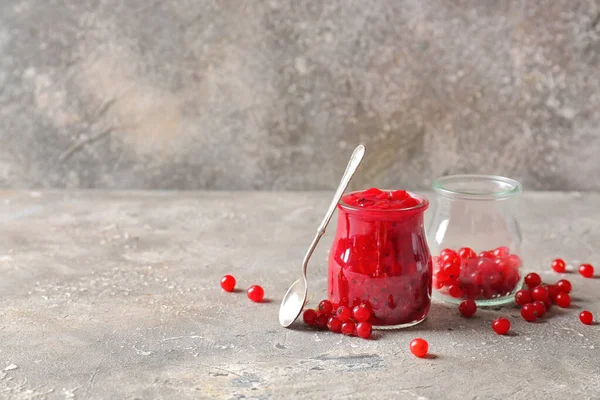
[255, 292]
[350, 322]
[466, 274]
[537, 298]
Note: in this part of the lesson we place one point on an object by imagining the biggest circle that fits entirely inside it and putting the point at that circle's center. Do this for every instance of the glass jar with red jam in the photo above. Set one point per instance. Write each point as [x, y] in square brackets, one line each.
[380, 257]
[475, 238]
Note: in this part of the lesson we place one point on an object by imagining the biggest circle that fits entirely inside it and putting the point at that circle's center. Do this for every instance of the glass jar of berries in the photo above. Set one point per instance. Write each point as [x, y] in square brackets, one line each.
[475, 238]
[380, 257]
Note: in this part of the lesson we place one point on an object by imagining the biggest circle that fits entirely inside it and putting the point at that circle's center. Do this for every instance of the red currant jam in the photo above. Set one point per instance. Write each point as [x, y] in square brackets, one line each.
[478, 276]
[380, 256]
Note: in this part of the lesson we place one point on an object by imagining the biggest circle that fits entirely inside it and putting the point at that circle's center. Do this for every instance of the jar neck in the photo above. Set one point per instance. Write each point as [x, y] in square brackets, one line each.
[367, 221]
[484, 188]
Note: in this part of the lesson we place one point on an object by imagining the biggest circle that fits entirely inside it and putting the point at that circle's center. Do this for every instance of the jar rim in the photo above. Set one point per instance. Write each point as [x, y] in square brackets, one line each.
[423, 204]
[505, 187]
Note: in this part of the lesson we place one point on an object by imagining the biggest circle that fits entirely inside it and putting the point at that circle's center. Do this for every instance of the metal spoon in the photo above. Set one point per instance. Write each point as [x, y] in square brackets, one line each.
[293, 301]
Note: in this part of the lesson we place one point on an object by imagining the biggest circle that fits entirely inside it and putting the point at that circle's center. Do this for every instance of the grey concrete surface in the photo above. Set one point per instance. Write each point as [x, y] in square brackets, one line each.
[116, 296]
[273, 94]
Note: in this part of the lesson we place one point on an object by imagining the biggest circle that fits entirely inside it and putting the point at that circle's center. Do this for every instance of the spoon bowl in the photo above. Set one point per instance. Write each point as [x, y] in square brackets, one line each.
[293, 302]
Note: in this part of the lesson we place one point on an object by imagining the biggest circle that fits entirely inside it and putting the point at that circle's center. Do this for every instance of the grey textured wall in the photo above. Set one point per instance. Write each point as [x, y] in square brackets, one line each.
[274, 94]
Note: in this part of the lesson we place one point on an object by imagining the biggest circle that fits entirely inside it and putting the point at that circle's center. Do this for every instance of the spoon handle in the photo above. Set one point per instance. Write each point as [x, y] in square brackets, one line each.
[353, 164]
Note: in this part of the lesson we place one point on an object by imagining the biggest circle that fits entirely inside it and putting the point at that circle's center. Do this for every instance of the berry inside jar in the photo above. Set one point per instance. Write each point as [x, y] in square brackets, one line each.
[380, 256]
[464, 274]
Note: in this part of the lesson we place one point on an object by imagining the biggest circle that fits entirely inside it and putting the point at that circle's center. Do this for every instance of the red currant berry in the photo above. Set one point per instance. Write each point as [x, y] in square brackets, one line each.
[540, 308]
[553, 291]
[486, 254]
[563, 300]
[586, 317]
[309, 316]
[528, 312]
[228, 283]
[563, 286]
[256, 293]
[467, 308]
[501, 251]
[361, 313]
[455, 291]
[501, 326]
[452, 268]
[325, 307]
[321, 321]
[419, 347]
[447, 253]
[539, 293]
[515, 260]
[364, 330]
[586, 270]
[466, 253]
[334, 325]
[532, 280]
[348, 328]
[523, 297]
[343, 313]
[559, 265]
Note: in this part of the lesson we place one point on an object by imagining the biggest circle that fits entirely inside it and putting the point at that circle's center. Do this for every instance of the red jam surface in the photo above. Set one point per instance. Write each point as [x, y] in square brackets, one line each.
[380, 256]
[376, 199]
[464, 275]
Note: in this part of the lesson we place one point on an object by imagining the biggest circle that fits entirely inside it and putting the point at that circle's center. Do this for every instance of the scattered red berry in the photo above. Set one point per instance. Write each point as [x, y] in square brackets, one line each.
[255, 293]
[563, 300]
[586, 317]
[228, 283]
[563, 286]
[325, 307]
[343, 313]
[529, 312]
[348, 328]
[309, 316]
[419, 347]
[334, 325]
[539, 293]
[361, 313]
[540, 308]
[467, 308]
[321, 321]
[364, 330]
[501, 326]
[586, 270]
[559, 265]
[523, 297]
[532, 280]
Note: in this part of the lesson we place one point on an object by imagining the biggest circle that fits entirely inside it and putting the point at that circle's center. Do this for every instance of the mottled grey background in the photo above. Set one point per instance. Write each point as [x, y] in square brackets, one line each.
[274, 94]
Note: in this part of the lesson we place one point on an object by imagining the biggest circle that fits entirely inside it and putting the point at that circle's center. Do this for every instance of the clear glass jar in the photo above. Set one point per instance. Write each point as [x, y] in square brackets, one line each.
[380, 257]
[475, 238]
